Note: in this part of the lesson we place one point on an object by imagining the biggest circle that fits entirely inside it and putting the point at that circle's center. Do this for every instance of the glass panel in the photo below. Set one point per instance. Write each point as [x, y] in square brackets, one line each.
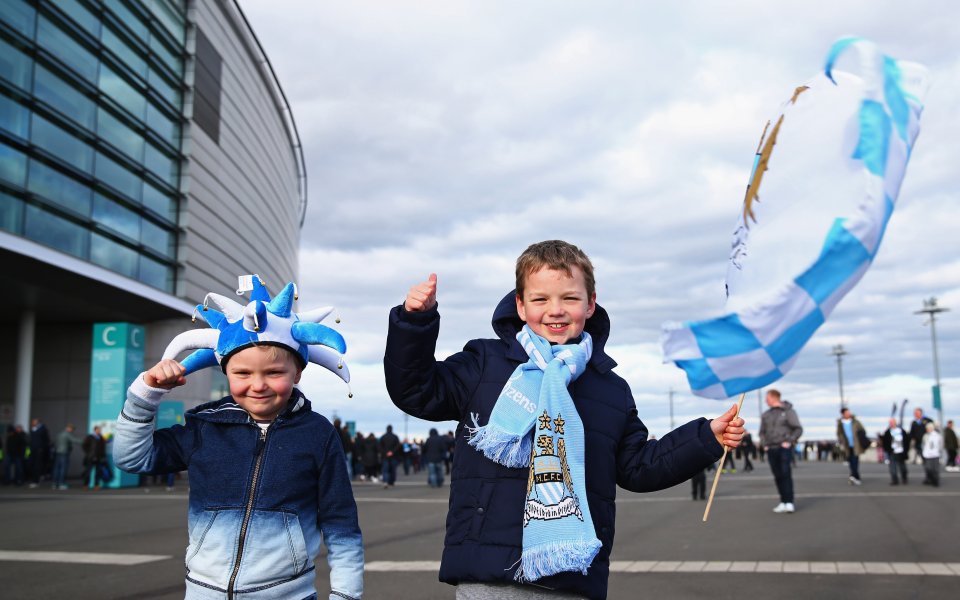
[122, 220]
[15, 65]
[61, 144]
[120, 135]
[81, 15]
[168, 92]
[14, 117]
[160, 203]
[166, 127]
[156, 274]
[116, 257]
[51, 230]
[125, 53]
[116, 176]
[67, 49]
[122, 92]
[19, 15]
[59, 188]
[64, 97]
[11, 212]
[13, 165]
[128, 18]
[157, 238]
[162, 165]
[169, 18]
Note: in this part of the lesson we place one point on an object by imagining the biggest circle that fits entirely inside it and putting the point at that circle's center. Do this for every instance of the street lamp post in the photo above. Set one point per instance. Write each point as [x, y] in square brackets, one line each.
[671, 408]
[839, 352]
[930, 308]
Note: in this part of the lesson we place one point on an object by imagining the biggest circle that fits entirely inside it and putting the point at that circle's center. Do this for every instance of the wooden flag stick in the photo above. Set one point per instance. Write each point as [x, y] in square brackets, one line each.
[723, 460]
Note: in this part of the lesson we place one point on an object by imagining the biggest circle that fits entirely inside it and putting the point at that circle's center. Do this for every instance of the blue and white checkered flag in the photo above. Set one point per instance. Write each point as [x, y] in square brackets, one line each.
[807, 237]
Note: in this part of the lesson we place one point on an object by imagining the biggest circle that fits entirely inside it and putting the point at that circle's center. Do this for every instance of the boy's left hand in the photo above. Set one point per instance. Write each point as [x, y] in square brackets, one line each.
[728, 428]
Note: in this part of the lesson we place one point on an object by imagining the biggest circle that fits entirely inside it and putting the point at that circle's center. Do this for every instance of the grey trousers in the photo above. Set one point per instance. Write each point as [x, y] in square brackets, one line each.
[508, 591]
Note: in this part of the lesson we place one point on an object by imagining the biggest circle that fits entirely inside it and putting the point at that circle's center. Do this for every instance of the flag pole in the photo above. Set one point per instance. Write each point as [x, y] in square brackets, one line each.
[723, 460]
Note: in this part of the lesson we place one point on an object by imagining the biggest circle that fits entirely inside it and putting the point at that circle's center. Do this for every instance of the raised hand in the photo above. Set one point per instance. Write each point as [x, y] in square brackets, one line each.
[728, 428]
[166, 374]
[422, 296]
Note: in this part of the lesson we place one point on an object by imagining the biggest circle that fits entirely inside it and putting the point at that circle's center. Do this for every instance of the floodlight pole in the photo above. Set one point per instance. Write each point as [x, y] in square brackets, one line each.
[839, 352]
[930, 308]
[671, 392]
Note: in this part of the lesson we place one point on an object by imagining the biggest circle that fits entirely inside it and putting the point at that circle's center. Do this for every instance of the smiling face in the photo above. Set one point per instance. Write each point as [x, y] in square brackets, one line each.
[261, 380]
[556, 305]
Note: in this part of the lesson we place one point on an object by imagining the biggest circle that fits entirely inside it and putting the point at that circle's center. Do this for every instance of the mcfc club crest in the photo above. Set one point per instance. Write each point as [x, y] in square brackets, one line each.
[550, 492]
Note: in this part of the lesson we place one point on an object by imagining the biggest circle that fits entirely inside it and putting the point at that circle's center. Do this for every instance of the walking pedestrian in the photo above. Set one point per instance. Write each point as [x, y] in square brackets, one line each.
[852, 438]
[917, 430]
[931, 450]
[389, 454]
[61, 456]
[434, 453]
[950, 445]
[39, 455]
[779, 430]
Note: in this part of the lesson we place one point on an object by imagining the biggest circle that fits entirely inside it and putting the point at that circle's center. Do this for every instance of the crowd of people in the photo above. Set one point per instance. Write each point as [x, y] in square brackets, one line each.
[376, 459]
[36, 457]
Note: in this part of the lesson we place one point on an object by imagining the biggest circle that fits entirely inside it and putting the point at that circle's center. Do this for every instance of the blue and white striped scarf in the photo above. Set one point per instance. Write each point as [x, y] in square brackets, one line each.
[535, 424]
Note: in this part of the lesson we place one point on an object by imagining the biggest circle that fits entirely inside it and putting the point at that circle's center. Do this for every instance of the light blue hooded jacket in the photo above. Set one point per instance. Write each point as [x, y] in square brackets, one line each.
[261, 502]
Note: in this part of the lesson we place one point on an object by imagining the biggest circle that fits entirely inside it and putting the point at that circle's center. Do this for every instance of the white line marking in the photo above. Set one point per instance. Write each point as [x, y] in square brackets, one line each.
[720, 566]
[86, 558]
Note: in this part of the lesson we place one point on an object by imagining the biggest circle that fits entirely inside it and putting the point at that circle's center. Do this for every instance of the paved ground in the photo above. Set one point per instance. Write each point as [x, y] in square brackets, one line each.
[874, 541]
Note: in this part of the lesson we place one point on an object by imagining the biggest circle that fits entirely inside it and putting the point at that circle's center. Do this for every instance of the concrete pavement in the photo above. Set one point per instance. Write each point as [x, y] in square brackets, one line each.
[873, 541]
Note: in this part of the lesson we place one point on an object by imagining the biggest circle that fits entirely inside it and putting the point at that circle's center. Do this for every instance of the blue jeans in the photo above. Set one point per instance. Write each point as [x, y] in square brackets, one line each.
[779, 459]
[60, 464]
[349, 458]
[854, 459]
[435, 474]
[389, 471]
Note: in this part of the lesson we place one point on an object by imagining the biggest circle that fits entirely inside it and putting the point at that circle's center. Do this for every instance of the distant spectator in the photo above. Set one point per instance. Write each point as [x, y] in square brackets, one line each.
[950, 445]
[434, 453]
[390, 450]
[14, 456]
[39, 456]
[895, 444]
[745, 449]
[61, 456]
[370, 456]
[852, 438]
[94, 458]
[347, 444]
[699, 485]
[917, 430]
[931, 449]
[779, 431]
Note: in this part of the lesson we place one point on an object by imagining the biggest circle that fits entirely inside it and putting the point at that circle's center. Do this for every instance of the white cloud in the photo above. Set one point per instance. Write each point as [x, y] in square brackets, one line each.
[447, 136]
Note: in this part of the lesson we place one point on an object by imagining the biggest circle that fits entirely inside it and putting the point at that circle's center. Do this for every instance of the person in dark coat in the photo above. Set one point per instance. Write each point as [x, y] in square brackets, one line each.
[390, 453]
[39, 458]
[370, 457]
[918, 428]
[14, 454]
[434, 453]
[94, 457]
[556, 298]
[950, 445]
[895, 445]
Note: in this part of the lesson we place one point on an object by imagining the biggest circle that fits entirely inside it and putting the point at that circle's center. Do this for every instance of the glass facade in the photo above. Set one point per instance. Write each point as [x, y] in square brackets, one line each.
[90, 120]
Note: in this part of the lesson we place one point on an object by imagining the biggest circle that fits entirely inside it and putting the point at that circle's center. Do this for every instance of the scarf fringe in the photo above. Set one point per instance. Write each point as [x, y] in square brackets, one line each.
[551, 558]
[502, 447]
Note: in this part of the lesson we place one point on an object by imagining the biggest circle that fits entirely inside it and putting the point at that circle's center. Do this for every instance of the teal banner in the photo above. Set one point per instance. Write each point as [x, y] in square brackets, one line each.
[117, 359]
[936, 397]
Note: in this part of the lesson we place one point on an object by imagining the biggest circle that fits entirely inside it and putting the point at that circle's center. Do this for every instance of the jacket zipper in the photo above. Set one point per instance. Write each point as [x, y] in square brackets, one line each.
[261, 444]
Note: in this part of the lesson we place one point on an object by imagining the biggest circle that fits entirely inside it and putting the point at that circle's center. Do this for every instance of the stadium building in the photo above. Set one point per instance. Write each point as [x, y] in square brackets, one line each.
[147, 156]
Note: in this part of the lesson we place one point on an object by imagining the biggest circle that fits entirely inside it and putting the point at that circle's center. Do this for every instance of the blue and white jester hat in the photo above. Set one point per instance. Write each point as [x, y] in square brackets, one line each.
[263, 321]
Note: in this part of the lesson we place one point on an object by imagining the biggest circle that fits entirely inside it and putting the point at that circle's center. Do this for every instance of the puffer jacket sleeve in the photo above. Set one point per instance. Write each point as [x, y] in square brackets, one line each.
[645, 465]
[137, 448]
[418, 384]
[337, 520]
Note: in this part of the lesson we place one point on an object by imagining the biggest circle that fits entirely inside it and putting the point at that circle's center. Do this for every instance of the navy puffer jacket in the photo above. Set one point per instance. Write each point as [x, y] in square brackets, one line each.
[484, 522]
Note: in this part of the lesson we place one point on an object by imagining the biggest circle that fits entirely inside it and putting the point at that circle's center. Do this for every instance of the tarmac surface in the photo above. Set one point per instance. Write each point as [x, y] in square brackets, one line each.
[872, 541]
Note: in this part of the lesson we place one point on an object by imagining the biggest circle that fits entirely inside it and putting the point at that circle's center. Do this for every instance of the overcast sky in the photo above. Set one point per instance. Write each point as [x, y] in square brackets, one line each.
[446, 136]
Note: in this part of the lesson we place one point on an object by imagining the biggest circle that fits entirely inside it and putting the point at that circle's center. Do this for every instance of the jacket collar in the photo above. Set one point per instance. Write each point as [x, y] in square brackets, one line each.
[507, 323]
[226, 410]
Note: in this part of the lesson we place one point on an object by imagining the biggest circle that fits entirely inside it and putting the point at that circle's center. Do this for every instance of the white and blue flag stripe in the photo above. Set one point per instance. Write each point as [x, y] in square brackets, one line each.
[757, 345]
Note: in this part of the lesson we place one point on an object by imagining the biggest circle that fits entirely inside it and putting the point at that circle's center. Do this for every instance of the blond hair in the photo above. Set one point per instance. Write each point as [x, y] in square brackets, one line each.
[557, 255]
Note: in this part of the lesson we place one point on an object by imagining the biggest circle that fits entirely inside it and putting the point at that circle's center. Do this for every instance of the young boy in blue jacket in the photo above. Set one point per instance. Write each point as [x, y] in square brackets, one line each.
[268, 481]
[546, 432]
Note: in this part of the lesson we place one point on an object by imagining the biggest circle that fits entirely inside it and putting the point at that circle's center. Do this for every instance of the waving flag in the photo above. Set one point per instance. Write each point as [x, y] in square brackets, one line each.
[825, 181]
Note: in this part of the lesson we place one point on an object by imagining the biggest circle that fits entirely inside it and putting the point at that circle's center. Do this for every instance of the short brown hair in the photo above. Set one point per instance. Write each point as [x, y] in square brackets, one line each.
[774, 393]
[557, 255]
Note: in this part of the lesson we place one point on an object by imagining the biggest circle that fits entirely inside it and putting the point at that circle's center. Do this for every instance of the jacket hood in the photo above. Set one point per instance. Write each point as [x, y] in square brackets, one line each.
[507, 323]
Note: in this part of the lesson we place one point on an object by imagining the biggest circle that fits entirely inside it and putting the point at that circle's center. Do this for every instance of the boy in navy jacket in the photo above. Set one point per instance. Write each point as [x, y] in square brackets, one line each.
[268, 479]
[491, 504]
